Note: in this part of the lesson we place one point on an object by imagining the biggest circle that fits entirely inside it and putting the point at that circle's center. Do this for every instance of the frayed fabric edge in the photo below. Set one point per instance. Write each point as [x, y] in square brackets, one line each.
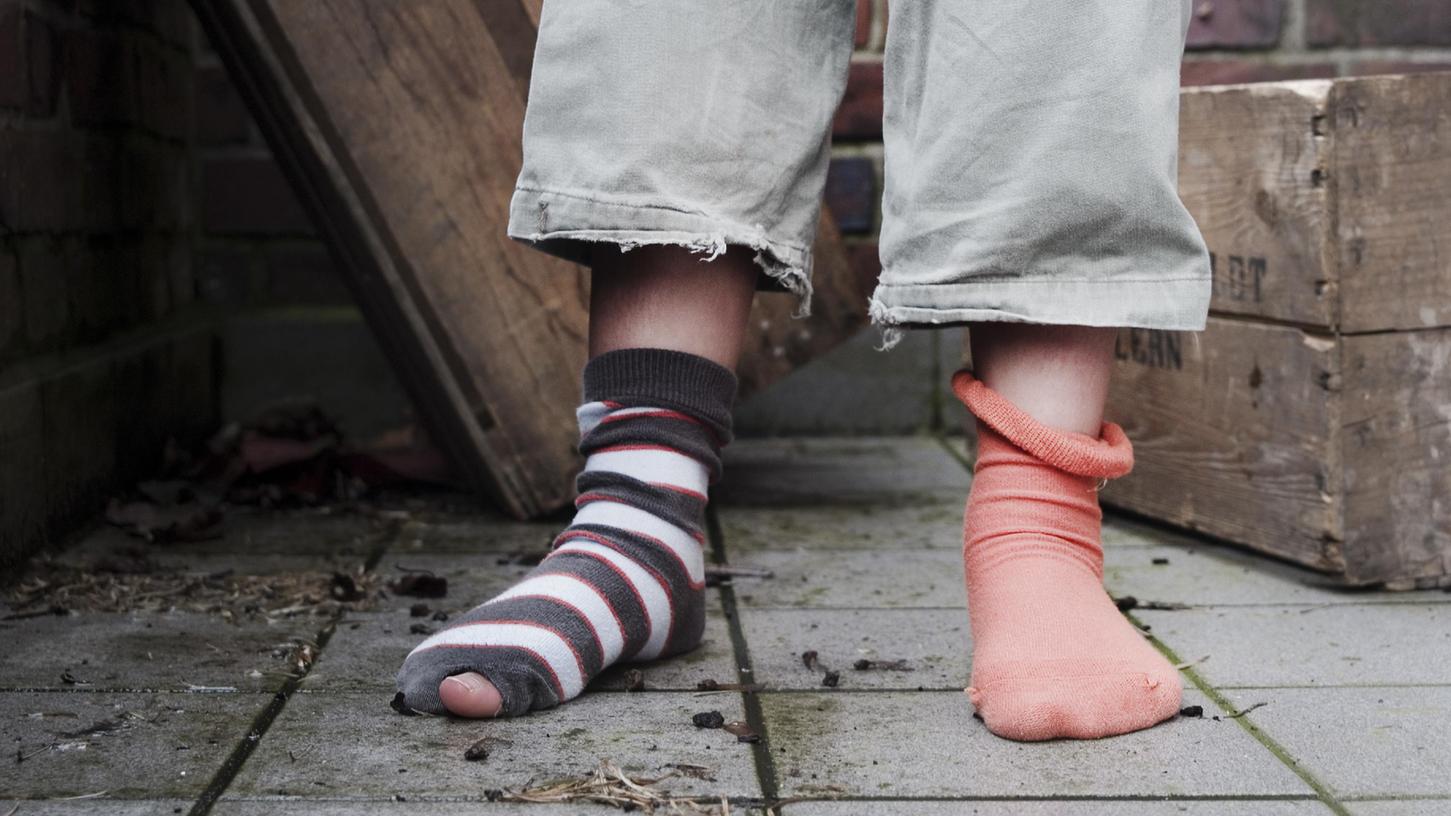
[769, 257]
[881, 316]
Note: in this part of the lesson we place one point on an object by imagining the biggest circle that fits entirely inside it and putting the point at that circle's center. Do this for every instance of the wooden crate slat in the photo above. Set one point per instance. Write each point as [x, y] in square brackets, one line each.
[1252, 161]
[1235, 434]
[1392, 171]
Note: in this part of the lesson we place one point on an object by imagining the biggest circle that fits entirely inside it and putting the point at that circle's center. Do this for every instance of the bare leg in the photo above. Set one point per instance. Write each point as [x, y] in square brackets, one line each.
[652, 297]
[1057, 374]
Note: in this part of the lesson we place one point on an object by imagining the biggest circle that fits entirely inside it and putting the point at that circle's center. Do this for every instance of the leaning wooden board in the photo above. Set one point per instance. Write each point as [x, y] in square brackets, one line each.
[1312, 420]
[399, 124]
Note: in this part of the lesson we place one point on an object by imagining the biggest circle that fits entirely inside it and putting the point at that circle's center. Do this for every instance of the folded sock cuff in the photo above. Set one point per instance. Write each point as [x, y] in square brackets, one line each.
[665, 379]
[1107, 457]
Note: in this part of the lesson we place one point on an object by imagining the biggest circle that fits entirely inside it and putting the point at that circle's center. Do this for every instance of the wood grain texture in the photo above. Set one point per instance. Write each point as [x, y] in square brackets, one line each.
[1252, 170]
[1397, 457]
[400, 125]
[1392, 180]
[1235, 434]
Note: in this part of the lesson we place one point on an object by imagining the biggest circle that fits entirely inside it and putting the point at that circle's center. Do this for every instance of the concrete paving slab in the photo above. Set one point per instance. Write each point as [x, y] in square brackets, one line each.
[936, 644]
[1339, 644]
[936, 525]
[353, 746]
[1063, 807]
[1368, 742]
[886, 471]
[888, 393]
[1202, 573]
[915, 744]
[475, 533]
[472, 578]
[1401, 807]
[94, 807]
[853, 579]
[420, 807]
[253, 531]
[162, 652]
[367, 649]
[1120, 531]
[163, 746]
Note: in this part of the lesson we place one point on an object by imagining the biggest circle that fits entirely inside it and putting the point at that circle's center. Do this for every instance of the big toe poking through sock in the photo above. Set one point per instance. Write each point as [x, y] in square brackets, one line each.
[1052, 656]
[626, 580]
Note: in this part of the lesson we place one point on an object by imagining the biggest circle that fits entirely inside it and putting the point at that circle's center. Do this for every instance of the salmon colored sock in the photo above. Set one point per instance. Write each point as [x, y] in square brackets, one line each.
[1052, 655]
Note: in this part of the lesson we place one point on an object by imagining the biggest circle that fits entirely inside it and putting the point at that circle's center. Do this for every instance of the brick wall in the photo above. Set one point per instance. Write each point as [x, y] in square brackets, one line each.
[103, 349]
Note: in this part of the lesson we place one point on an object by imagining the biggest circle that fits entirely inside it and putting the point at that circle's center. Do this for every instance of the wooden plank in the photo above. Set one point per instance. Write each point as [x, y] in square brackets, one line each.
[400, 124]
[1397, 455]
[1392, 179]
[1252, 172]
[1235, 435]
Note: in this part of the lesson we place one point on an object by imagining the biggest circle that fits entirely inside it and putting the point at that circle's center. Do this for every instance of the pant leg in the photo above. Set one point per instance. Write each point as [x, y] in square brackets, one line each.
[1031, 166]
[700, 123]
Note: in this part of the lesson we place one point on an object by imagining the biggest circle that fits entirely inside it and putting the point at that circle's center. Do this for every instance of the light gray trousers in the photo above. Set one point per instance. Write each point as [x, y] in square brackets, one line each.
[1030, 148]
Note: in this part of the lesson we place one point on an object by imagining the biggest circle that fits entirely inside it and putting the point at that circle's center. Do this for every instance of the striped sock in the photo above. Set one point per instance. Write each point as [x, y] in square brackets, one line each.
[626, 580]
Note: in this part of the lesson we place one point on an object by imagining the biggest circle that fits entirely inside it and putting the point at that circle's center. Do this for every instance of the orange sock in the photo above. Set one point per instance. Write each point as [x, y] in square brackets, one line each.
[1052, 655]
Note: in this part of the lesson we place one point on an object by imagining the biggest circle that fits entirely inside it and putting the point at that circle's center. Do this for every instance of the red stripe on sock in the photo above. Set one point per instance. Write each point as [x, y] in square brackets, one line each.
[598, 640]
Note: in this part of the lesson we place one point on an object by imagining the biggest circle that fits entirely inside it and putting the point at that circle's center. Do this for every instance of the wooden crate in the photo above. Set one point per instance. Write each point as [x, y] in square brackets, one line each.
[1312, 420]
[399, 124]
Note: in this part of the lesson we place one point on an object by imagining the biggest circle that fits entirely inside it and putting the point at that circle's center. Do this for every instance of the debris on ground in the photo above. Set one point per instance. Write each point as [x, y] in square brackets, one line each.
[419, 610]
[831, 679]
[607, 784]
[1126, 603]
[1245, 710]
[809, 660]
[419, 584]
[291, 454]
[399, 705]
[1158, 562]
[742, 730]
[882, 665]
[1192, 711]
[708, 719]
[420, 629]
[1190, 663]
[47, 586]
[634, 680]
[480, 750]
[704, 772]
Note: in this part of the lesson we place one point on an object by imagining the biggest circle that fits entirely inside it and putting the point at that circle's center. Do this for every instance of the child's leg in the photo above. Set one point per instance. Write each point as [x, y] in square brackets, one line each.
[1052, 656]
[625, 580]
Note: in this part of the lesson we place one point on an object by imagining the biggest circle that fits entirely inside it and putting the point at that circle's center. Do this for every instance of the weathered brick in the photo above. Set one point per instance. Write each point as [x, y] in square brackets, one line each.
[304, 274]
[1236, 23]
[851, 193]
[14, 76]
[859, 117]
[863, 23]
[120, 77]
[12, 319]
[1385, 22]
[169, 20]
[46, 289]
[42, 57]
[1235, 71]
[221, 117]
[249, 196]
[1377, 66]
[227, 276]
[156, 180]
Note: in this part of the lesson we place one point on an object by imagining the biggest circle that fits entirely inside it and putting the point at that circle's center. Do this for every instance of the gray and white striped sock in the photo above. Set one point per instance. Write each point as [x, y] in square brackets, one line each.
[626, 580]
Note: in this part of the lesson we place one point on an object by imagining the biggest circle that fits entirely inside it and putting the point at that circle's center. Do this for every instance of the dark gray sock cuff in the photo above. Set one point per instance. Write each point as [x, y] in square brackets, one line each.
[664, 378]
